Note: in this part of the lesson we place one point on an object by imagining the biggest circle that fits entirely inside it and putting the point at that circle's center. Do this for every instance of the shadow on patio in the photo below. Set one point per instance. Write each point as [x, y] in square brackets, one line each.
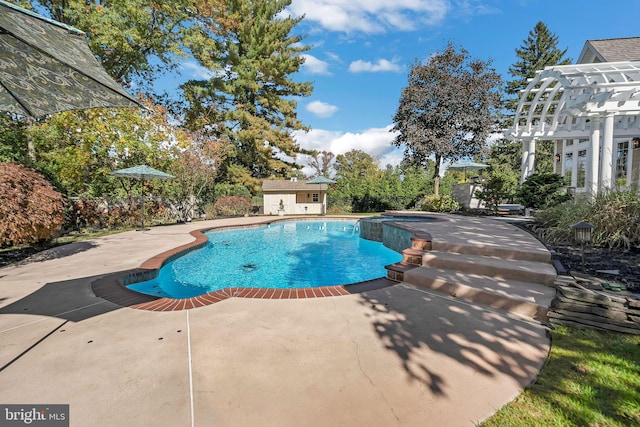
[488, 342]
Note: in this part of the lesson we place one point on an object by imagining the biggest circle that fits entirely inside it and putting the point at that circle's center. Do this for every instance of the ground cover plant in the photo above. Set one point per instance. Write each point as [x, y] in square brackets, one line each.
[591, 378]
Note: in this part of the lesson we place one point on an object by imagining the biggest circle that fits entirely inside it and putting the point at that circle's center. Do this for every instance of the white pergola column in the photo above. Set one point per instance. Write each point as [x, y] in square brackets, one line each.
[528, 159]
[593, 159]
[606, 166]
[574, 164]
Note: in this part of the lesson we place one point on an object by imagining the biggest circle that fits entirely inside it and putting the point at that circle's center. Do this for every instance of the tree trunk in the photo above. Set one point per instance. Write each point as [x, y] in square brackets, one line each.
[436, 176]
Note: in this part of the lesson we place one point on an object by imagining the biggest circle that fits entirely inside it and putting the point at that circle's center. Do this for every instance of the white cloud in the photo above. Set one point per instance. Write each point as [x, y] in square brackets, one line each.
[371, 16]
[374, 141]
[315, 66]
[382, 65]
[196, 71]
[321, 109]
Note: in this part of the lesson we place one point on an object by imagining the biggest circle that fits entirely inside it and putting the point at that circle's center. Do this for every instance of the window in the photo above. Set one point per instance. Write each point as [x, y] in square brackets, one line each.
[316, 197]
[582, 168]
[568, 167]
[622, 156]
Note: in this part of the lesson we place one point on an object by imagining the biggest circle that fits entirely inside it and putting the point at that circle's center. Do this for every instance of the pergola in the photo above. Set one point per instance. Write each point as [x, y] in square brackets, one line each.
[592, 112]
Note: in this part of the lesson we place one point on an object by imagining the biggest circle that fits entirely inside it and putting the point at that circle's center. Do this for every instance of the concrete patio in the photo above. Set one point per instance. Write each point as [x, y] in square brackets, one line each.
[398, 355]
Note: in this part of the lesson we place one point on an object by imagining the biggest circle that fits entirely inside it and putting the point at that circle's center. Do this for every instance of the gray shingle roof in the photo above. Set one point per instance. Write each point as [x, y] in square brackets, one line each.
[611, 50]
[283, 184]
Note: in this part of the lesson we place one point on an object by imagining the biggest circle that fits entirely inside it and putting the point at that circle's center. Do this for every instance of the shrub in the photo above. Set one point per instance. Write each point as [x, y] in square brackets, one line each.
[542, 191]
[209, 211]
[88, 213]
[224, 190]
[339, 209]
[497, 188]
[232, 206]
[554, 224]
[31, 210]
[441, 203]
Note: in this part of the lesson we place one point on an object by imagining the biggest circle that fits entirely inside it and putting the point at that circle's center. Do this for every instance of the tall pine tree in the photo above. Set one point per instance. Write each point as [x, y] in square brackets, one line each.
[539, 50]
[248, 46]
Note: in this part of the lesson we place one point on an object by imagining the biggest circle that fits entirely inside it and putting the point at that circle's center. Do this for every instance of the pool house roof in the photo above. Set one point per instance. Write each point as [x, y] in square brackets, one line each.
[274, 185]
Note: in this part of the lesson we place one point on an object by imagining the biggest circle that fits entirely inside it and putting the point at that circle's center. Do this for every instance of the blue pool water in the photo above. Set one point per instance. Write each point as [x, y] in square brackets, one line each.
[290, 254]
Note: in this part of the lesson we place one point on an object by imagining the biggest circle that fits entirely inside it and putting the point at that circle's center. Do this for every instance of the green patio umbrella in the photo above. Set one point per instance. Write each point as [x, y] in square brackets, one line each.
[141, 172]
[467, 165]
[47, 67]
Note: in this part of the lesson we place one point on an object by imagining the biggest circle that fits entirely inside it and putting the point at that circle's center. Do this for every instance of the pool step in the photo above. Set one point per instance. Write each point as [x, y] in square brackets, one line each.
[521, 285]
[395, 272]
[412, 256]
[514, 296]
[516, 269]
[510, 269]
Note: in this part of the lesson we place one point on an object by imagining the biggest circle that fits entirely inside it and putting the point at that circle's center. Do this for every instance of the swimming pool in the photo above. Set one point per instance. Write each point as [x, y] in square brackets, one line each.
[288, 254]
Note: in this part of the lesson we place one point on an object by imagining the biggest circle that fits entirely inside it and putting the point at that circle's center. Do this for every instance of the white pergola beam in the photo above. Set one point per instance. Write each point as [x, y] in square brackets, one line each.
[559, 102]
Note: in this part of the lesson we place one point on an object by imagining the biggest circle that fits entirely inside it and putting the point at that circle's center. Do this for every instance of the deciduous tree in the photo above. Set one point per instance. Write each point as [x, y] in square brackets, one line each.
[79, 149]
[135, 40]
[195, 168]
[321, 162]
[448, 108]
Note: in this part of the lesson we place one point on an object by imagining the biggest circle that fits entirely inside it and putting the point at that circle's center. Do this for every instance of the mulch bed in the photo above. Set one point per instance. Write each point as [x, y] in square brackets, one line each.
[612, 265]
[615, 266]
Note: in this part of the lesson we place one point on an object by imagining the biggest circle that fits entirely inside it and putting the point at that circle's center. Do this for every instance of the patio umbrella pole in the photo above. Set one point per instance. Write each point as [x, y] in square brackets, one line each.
[142, 229]
[141, 172]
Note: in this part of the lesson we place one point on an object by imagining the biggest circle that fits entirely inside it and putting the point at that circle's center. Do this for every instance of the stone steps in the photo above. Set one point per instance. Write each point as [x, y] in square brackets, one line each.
[515, 269]
[519, 283]
[514, 296]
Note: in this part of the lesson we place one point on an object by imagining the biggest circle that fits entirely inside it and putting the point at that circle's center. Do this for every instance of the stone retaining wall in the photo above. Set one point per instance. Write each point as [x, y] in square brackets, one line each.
[587, 308]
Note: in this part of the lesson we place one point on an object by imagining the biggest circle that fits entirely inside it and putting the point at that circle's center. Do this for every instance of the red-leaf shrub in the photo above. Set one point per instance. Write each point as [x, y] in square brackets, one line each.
[232, 206]
[31, 210]
[88, 213]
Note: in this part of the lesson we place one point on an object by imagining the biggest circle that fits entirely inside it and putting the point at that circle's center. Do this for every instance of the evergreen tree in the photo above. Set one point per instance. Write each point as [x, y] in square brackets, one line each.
[448, 109]
[251, 52]
[539, 50]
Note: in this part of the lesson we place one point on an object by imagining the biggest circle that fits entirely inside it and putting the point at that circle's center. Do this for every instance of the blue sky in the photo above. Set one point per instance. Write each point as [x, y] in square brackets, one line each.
[362, 50]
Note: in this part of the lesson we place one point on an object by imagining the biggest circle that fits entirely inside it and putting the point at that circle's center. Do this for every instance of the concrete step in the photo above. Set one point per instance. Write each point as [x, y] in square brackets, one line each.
[513, 296]
[509, 269]
[526, 253]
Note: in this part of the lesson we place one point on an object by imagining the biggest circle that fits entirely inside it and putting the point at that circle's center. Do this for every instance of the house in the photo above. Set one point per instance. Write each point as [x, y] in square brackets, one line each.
[297, 197]
[590, 111]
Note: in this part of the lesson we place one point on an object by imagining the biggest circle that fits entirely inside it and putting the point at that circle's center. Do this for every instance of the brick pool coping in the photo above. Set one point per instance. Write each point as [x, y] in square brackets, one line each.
[113, 287]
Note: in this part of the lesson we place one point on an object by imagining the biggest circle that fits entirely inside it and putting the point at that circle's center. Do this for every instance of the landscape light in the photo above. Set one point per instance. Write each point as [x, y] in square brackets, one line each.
[582, 233]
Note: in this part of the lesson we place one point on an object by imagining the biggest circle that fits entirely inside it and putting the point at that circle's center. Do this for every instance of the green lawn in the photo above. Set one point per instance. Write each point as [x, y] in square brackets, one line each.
[591, 379]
